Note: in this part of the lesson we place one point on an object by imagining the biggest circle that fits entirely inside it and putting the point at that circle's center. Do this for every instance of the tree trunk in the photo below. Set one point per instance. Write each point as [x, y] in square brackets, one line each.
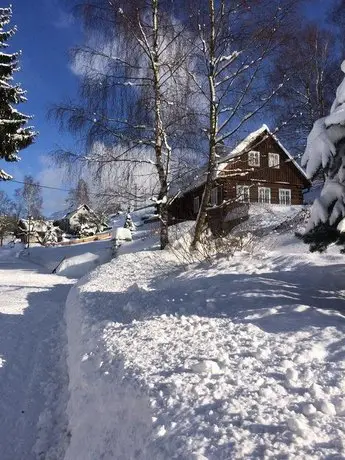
[159, 134]
[213, 123]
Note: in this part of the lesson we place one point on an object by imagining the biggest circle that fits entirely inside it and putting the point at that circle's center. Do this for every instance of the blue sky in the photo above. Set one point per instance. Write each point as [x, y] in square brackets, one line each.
[46, 32]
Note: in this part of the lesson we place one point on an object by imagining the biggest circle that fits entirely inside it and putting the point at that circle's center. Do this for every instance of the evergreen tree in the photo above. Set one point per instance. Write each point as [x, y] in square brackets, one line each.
[15, 135]
[325, 152]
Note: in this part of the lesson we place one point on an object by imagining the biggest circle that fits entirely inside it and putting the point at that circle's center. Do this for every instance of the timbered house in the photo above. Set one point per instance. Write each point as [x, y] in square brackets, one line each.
[258, 170]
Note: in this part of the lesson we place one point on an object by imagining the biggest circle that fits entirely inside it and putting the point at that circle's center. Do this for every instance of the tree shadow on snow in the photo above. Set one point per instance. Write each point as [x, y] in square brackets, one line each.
[287, 301]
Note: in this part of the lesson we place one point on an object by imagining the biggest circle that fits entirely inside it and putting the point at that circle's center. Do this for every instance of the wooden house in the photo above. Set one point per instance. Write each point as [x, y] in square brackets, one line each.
[258, 170]
[82, 221]
[37, 231]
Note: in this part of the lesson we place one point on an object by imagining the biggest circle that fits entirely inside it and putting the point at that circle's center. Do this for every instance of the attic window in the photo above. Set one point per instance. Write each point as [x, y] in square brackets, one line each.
[273, 160]
[253, 158]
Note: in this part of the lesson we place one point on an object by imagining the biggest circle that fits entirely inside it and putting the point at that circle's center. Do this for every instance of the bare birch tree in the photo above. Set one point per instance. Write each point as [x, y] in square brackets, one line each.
[236, 44]
[134, 88]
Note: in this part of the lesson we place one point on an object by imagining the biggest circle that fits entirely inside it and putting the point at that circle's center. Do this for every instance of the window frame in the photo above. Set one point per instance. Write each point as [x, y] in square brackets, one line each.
[254, 161]
[270, 195]
[242, 197]
[284, 190]
[271, 163]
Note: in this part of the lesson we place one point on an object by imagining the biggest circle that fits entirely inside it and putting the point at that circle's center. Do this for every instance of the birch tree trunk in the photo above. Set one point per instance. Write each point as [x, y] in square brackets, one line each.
[213, 123]
[159, 134]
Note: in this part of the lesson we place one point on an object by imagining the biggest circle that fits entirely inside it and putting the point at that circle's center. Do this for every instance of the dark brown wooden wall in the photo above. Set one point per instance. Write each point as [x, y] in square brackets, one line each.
[287, 176]
[287, 171]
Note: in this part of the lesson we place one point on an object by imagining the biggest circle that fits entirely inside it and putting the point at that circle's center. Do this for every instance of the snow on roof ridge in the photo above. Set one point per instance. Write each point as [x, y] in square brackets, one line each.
[249, 139]
[246, 141]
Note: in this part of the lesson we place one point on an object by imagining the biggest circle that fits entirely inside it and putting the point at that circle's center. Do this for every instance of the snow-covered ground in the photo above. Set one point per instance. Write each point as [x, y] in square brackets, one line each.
[33, 371]
[241, 357]
[73, 260]
[238, 357]
[76, 260]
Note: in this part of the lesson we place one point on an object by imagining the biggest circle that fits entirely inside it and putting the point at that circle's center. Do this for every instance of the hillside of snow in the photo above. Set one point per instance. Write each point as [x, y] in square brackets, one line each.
[238, 357]
[76, 260]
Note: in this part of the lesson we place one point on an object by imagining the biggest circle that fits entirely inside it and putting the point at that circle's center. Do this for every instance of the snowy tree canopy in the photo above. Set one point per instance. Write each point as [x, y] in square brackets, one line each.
[325, 152]
[14, 132]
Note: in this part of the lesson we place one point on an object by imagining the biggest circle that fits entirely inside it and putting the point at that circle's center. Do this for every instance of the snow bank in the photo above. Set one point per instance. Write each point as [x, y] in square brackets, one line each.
[122, 234]
[240, 358]
[62, 259]
[77, 266]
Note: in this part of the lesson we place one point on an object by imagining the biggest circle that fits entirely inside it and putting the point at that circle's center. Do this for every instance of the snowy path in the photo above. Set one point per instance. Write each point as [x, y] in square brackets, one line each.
[33, 372]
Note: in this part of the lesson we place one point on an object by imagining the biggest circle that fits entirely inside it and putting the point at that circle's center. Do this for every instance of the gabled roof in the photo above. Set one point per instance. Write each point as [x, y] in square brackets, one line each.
[250, 141]
[74, 211]
[243, 147]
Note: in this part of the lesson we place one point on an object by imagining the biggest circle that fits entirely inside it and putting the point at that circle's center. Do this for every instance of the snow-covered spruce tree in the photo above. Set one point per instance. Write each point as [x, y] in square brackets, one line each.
[325, 152]
[14, 134]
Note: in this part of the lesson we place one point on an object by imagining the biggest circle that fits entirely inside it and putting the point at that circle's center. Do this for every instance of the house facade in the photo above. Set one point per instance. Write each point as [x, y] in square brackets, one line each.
[82, 221]
[38, 231]
[258, 170]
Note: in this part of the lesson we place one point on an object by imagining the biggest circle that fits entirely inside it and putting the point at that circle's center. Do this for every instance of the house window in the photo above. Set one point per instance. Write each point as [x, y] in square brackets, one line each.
[253, 158]
[273, 160]
[243, 193]
[196, 204]
[264, 195]
[214, 196]
[284, 196]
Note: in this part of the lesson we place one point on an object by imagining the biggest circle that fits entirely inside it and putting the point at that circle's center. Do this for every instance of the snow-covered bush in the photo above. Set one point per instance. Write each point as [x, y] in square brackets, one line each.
[129, 223]
[325, 152]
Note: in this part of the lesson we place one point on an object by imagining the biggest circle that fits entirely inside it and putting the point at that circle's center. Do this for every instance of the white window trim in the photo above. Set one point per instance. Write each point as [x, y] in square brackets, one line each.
[264, 188]
[241, 195]
[255, 159]
[271, 160]
[285, 196]
[196, 204]
[214, 196]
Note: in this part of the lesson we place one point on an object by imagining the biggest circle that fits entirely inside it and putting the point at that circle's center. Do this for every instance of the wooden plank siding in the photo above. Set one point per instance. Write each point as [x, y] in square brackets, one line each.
[238, 172]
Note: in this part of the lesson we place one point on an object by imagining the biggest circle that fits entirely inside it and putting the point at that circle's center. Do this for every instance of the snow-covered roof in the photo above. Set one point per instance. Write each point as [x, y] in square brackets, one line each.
[74, 211]
[35, 225]
[243, 146]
